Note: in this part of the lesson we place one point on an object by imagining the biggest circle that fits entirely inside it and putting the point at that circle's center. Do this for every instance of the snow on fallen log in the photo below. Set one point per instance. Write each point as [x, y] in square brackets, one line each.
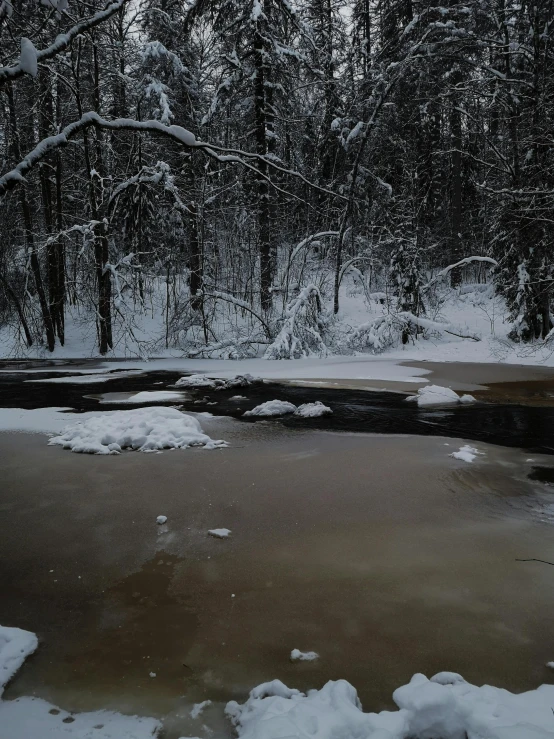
[385, 331]
[143, 430]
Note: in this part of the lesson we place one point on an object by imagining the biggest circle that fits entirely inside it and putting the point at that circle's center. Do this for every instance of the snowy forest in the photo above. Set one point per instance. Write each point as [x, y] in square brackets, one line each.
[210, 175]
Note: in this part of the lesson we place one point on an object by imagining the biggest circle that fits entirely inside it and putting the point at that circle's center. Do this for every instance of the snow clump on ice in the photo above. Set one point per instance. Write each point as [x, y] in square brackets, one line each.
[161, 520]
[438, 395]
[143, 430]
[272, 408]
[297, 656]
[219, 533]
[312, 410]
[217, 384]
[466, 453]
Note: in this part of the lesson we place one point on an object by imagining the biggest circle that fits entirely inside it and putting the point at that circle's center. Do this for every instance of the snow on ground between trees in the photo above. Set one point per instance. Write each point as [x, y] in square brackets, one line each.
[143, 430]
[438, 395]
[445, 706]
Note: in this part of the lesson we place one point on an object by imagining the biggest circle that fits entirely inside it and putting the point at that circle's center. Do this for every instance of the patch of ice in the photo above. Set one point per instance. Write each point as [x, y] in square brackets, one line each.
[297, 656]
[161, 520]
[466, 453]
[34, 718]
[219, 533]
[149, 396]
[272, 408]
[198, 708]
[239, 397]
[445, 706]
[434, 395]
[89, 379]
[312, 410]
[143, 430]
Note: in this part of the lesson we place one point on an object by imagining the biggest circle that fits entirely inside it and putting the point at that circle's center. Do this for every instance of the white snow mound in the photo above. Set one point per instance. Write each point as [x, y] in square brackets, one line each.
[143, 430]
[445, 706]
[297, 656]
[466, 453]
[15, 646]
[197, 381]
[437, 395]
[312, 410]
[272, 408]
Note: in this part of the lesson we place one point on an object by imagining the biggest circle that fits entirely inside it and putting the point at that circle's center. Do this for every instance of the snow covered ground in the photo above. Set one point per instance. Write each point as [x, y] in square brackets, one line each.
[473, 309]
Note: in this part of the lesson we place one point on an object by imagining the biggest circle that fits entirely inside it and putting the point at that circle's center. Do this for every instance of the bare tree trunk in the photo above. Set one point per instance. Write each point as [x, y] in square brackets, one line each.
[264, 235]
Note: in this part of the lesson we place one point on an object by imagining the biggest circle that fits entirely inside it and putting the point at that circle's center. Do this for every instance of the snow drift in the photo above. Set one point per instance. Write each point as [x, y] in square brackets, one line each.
[143, 430]
[444, 707]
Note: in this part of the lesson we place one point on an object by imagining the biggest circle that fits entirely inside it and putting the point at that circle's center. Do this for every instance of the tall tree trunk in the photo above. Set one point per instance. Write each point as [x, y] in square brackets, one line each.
[29, 230]
[264, 233]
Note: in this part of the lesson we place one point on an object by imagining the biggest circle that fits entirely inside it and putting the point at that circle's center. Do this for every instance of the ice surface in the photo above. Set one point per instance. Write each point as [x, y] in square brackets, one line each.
[33, 718]
[312, 410]
[272, 408]
[143, 430]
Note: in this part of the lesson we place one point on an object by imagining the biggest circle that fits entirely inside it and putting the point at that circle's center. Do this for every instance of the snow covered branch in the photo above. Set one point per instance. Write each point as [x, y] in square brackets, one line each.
[461, 263]
[60, 44]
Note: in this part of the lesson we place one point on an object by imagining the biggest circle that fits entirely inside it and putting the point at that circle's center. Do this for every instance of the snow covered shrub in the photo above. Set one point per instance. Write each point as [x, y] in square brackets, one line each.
[406, 284]
[302, 329]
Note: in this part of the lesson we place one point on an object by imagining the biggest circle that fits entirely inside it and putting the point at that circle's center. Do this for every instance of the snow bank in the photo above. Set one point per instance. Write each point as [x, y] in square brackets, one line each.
[297, 656]
[466, 453]
[272, 408]
[143, 430]
[15, 646]
[312, 410]
[445, 706]
[438, 395]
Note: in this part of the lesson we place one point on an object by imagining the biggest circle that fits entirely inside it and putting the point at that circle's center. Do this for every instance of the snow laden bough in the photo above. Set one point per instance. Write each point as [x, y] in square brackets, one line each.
[143, 430]
[386, 331]
[444, 707]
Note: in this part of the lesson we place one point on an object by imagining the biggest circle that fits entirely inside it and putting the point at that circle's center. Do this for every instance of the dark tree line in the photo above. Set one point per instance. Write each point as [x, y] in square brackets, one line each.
[226, 154]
